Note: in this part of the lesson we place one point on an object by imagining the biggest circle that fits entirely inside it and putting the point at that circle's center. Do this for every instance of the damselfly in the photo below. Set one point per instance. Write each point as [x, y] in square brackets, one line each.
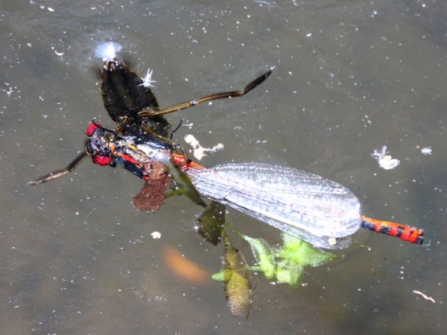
[307, 206]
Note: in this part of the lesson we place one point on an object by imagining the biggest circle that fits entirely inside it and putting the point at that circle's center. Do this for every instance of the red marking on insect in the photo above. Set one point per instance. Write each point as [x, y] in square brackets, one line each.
[130, 159]
[404, 232]
[102, 160]
[92, 128]
[180, 161]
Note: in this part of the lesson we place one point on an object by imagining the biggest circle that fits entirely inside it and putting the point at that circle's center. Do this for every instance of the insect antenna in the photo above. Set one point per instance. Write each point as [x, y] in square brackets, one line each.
[176, 128]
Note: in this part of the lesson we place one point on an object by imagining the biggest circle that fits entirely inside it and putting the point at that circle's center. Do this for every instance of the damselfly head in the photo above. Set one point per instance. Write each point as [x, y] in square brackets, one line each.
[111, 65]
[97, 145]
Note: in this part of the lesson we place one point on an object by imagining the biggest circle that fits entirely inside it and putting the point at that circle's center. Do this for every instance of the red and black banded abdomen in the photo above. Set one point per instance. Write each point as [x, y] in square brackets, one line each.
[404, 232]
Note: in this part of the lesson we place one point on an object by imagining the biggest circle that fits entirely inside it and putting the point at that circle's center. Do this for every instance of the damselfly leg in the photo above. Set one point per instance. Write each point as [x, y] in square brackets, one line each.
[94, 147]
[216, 96]
[59, 173]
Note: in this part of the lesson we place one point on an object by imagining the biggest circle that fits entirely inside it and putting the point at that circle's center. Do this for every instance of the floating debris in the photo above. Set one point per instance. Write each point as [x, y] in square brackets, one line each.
[268, 4]
[199, 151]
[385, 161]
[424, 296]
[156, 235]
[426, 151]
[147, 80]
[56, 52]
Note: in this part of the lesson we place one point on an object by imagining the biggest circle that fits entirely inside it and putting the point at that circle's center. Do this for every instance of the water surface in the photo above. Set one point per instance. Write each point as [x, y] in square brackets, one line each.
[350, 77]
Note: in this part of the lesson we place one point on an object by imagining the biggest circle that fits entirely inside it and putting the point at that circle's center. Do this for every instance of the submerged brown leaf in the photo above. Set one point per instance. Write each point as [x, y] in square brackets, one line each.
[150, 198]
[211, 222]
[237, 285]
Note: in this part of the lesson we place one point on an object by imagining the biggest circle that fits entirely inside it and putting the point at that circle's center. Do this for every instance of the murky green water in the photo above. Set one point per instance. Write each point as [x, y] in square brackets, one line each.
[350, 77]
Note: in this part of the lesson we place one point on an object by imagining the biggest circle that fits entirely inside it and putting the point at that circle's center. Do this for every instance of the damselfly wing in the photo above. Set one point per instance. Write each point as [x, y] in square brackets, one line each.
[304, 205]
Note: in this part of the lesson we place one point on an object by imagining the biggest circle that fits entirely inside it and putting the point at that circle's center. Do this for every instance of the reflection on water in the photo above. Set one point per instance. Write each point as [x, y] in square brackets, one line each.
[107, 50]
[350, 78]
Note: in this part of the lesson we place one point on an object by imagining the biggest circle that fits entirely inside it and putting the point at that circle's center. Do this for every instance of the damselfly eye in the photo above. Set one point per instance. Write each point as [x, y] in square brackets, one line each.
[102, 160]
[92, 128]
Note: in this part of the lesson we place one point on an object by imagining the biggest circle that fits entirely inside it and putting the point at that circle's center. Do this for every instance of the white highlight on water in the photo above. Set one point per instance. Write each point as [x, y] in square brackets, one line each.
[107, 50]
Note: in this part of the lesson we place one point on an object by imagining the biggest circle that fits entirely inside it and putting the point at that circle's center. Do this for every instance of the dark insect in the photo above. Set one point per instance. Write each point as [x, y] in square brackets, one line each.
[131, 103]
